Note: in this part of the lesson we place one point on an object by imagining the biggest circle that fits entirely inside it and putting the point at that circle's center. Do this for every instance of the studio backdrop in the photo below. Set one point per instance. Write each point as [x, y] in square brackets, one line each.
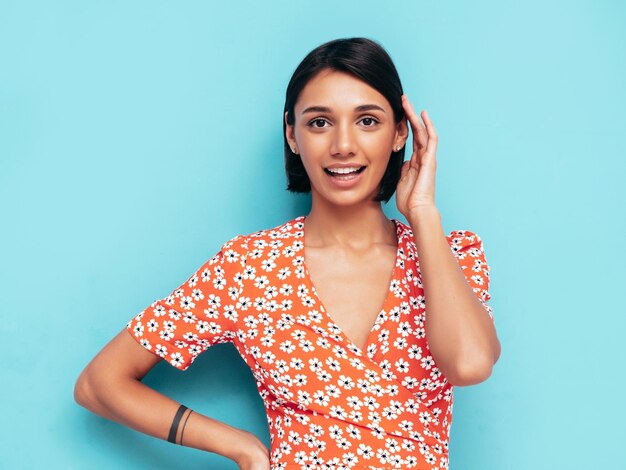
[136, 137]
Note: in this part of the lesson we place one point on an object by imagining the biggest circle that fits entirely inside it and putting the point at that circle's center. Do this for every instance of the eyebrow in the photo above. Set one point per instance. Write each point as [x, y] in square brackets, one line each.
[324, 109]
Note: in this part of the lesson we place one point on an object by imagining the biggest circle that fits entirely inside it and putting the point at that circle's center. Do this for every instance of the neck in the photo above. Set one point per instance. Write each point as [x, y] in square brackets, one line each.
[349, 227]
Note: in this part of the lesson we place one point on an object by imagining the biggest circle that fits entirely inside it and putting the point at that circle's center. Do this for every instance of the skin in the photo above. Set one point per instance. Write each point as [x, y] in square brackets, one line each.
[348, 237]
[110, 386]
[350, 245]
[349, 240]
[461, 336]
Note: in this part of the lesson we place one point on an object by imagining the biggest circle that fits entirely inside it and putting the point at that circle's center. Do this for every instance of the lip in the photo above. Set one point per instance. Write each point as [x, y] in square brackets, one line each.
[345, 165]
[343, 182]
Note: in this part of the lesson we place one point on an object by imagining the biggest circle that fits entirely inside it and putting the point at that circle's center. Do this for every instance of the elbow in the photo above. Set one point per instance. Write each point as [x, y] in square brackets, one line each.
[477, 370]
[471, 373]
[96, 389]
[90, 388]
[83, 391]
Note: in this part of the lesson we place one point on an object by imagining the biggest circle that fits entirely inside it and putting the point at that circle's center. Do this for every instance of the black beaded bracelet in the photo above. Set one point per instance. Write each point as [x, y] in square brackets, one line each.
[174, 428]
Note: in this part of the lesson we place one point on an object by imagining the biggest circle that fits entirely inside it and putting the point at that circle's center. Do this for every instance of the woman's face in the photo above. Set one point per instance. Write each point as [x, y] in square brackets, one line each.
[340, 121]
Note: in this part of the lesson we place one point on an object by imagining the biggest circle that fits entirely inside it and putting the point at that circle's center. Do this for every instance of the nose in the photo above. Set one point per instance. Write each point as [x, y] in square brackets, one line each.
[343, 143]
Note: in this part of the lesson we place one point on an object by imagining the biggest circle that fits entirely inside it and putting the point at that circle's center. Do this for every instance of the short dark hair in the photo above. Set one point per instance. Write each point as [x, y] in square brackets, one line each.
[366, 60]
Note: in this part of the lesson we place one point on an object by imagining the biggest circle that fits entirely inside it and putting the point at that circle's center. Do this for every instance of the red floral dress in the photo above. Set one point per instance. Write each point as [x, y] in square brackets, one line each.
[329, 404]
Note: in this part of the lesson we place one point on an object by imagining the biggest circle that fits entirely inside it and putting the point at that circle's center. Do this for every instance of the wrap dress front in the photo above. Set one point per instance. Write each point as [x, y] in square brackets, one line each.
[329, 404]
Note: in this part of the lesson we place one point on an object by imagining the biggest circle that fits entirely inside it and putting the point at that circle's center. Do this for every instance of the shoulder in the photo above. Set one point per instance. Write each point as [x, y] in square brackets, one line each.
[464, 243]
[240, 246]
[460, 241]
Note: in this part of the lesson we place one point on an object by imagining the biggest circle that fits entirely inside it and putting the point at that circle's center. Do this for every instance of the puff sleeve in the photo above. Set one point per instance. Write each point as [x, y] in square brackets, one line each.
[201, 312]
[469, 252]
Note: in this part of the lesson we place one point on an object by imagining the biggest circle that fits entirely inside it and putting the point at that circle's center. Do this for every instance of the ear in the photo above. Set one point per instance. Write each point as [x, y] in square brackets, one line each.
[289, 135]
[402, 133]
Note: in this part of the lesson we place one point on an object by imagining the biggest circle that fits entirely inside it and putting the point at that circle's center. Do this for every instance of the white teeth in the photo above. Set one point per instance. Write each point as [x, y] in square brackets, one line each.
[343, 170]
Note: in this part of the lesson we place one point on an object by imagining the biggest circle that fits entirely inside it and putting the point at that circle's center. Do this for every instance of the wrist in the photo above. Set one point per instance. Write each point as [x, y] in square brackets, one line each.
[248, 449]
[420, 213]
[237, 446]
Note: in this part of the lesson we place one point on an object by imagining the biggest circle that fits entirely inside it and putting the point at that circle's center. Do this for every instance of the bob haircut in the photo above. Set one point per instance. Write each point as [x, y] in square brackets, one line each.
[366, 60]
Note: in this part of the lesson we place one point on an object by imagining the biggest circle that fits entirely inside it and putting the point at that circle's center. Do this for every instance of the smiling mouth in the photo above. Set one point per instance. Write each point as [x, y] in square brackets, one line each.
[328, 172]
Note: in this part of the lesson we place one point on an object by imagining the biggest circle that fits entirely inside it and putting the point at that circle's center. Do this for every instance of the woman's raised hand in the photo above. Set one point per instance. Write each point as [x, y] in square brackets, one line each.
[416, 187]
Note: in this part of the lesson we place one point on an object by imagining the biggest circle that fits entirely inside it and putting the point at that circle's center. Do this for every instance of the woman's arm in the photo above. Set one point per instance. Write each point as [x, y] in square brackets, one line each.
[111, 387]
[460, 334]
[459, 331]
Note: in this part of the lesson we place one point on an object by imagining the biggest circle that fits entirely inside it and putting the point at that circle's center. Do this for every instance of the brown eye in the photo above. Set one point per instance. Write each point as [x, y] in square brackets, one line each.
[310, 124]
[370, 119]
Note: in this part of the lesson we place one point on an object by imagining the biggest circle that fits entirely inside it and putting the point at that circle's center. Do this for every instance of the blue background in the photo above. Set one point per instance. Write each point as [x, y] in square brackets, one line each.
[136, 137]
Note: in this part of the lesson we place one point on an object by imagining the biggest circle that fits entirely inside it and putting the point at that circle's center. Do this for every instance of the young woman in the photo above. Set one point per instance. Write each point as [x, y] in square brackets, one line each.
[356, 327]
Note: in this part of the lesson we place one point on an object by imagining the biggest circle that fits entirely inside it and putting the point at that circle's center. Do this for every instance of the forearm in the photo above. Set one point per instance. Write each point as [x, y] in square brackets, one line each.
[134, 404]
[460, 333]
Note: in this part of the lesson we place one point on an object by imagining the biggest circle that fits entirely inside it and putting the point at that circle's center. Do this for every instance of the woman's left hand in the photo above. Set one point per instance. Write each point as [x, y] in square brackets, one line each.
[416, 187]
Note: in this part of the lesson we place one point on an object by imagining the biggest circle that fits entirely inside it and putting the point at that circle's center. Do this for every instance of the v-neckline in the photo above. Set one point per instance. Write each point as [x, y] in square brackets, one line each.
[379, 316]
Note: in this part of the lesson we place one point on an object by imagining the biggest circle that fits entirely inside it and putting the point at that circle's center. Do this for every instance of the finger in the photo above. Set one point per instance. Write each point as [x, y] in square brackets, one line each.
[410, 114]
[404, 169]
[414, 160]
[413, 121]
[408, 175]
[420, 136]
[432, 134]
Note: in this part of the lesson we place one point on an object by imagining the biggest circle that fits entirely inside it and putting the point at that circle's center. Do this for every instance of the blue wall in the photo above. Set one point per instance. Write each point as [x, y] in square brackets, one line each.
[135, 137]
